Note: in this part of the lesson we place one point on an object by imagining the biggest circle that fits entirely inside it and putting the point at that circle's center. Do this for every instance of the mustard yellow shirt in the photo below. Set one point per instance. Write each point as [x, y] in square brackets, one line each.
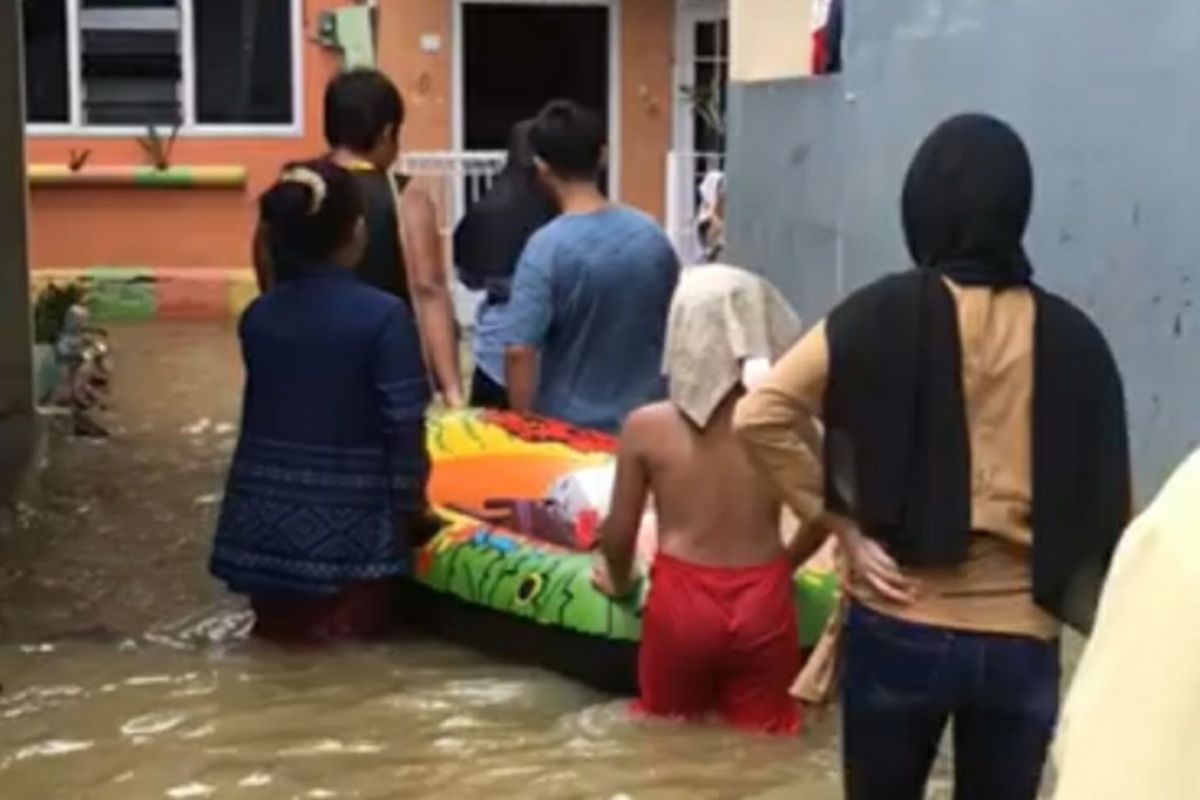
[991, 591]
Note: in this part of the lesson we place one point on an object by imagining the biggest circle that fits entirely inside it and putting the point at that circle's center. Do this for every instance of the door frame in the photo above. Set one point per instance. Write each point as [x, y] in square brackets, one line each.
[458, 94]
[687, 14]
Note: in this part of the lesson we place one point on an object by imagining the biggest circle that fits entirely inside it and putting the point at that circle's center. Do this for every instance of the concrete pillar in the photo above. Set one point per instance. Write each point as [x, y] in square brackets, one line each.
[17, 420]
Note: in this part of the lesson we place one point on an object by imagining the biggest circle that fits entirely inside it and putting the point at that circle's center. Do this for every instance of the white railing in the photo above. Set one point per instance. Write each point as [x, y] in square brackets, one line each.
[685, 171]
[454, 181]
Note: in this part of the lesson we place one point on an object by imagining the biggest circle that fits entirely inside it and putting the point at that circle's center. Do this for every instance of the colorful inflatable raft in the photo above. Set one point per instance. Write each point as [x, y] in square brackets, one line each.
[521, 596]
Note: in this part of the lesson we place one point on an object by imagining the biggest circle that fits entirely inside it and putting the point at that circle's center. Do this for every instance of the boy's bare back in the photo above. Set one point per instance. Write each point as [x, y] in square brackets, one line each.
[712, 507]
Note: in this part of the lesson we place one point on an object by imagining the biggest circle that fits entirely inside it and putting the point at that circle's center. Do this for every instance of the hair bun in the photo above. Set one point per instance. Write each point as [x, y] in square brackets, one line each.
[311, 211]
[316, 185]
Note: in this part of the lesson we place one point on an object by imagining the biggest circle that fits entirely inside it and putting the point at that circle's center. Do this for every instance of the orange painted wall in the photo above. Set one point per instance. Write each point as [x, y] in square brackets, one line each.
[647, 54]
[425, 79]
[647, 41]
[169, 228]
[73, 227]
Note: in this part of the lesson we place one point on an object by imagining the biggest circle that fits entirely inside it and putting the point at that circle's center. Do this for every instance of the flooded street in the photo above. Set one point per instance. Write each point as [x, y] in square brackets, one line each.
[127, 674]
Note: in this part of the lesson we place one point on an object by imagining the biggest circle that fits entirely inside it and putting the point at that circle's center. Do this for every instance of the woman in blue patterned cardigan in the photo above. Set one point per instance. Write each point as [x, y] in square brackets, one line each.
[326, 494]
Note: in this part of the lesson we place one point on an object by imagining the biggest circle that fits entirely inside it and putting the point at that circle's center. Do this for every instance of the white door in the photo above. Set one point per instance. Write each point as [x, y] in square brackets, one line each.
[700, 87]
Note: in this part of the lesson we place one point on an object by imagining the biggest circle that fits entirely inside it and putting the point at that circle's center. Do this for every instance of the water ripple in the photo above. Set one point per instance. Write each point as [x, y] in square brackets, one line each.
[327, 747]
[153, 724]
[190, 790]
[255, 780]
[52, 748]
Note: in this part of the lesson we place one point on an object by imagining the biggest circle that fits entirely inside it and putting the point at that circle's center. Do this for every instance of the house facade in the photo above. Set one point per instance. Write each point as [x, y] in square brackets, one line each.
[153, 125]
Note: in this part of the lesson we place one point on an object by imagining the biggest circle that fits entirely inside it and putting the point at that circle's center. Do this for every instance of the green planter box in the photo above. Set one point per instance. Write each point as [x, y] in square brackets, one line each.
[120, 294]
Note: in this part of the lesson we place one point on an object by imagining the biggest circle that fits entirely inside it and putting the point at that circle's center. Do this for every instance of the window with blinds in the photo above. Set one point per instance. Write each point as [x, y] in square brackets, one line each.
[200, 64]
[130, 65]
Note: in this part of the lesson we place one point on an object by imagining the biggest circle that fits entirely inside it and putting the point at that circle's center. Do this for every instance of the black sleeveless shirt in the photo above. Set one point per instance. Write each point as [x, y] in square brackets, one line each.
[382, 264]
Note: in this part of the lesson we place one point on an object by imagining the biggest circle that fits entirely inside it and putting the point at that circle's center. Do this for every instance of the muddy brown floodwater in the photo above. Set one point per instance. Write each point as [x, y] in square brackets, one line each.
[127, 673]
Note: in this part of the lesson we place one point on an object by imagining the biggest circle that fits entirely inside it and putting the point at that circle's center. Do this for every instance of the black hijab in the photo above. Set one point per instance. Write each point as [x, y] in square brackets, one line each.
[489, 239]
[897, 448]
[966, 202]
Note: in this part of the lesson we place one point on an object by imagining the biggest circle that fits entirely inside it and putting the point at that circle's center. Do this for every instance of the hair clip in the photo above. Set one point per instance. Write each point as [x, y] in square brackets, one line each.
[311, 179]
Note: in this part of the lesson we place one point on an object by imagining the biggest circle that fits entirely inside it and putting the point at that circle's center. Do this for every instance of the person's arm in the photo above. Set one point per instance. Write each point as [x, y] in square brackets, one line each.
[402, 393]
[777, 423]
[527, 318]
[613, 571]
[264, 270]
[807, 540]
[430, 291]
[520, 376]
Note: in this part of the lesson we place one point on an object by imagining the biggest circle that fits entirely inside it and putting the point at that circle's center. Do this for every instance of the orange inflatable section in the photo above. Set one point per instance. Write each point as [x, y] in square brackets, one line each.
[481, 455]
[467, 482]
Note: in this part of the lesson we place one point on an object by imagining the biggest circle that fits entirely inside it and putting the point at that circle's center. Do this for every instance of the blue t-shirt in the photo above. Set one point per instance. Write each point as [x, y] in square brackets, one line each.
[591, 292]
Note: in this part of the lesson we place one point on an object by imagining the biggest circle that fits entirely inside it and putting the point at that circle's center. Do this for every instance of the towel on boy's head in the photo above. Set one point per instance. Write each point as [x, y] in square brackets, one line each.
[726, 324]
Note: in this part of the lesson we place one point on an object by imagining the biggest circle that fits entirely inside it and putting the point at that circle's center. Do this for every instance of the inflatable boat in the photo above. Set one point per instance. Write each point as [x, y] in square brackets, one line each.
[493, 582]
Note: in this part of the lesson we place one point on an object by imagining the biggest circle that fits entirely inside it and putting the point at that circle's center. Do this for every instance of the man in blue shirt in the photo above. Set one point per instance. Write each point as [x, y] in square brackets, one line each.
[584, 326]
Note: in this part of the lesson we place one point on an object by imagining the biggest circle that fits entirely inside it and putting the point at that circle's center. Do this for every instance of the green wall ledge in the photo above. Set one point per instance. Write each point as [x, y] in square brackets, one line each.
[142, 177]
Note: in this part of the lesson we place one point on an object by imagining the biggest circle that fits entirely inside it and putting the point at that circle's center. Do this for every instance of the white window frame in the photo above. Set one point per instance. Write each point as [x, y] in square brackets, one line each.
[187, 87]
[689, 13]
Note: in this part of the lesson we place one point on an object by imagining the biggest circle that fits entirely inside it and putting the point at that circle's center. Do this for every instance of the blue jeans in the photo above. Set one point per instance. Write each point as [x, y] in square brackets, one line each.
[903, 682]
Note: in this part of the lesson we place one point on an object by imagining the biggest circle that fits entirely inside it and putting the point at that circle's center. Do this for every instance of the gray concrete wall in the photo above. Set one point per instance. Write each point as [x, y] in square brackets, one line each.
[1105, 93]
[17, 422]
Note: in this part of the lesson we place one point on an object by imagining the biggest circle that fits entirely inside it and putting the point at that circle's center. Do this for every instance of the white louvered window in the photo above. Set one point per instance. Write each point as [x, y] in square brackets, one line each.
[208, 66]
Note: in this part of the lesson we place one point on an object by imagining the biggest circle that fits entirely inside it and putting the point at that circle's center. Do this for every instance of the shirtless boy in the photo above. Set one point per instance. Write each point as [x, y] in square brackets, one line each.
[719, 627]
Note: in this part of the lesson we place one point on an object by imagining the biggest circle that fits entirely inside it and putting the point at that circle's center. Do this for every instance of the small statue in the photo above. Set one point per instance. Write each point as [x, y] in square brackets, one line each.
[86, 358]
[70, 337]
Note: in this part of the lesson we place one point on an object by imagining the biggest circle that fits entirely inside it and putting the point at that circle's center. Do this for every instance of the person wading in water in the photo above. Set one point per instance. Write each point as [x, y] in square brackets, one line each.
[583, 330]
[976, 467]
[326, 494]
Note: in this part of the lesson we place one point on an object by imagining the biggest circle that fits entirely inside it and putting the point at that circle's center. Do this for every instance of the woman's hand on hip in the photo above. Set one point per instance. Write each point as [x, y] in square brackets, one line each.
[871, 563]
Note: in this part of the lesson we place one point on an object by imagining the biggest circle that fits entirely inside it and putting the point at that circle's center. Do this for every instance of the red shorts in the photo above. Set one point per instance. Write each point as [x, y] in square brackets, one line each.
[359, 611]
[721, 639]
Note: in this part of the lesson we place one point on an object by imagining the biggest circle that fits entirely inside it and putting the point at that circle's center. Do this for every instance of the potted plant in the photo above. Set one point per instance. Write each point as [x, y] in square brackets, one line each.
[157, 148]
[705, 100]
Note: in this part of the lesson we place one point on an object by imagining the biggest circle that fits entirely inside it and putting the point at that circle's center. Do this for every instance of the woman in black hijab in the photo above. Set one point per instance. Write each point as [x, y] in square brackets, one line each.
[487, 244]
[976, 464]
